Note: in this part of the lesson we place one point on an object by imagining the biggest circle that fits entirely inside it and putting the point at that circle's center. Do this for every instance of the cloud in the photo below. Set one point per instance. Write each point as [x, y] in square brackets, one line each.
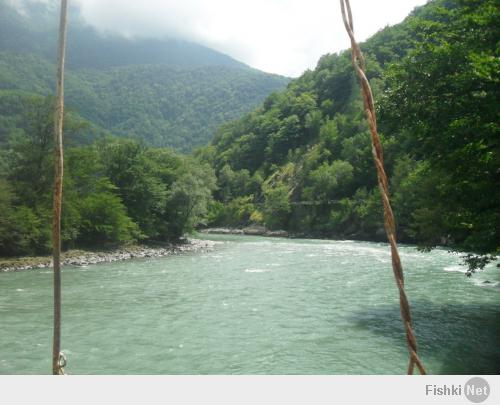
[279, 36]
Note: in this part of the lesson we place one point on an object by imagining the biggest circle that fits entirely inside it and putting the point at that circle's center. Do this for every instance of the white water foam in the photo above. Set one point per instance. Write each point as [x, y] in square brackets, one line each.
[456, 268]
[486, 283]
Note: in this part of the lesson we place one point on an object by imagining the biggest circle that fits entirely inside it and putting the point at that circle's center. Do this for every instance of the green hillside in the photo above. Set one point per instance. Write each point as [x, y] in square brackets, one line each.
[166, 92]
[302, 161]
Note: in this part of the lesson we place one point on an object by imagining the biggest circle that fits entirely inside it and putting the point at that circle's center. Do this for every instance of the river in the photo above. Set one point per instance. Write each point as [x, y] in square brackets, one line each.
[255, 305]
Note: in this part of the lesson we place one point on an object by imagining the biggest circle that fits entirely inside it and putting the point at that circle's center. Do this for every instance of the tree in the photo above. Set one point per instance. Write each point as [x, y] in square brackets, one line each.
[30, 161]
[277, 208]
[442, 101]
[188, 199]
[329, 182]
[103, 219]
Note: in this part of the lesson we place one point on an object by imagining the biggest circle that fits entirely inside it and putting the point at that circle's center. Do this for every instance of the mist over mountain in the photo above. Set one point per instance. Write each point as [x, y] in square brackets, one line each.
[33, 29]
[168, 92]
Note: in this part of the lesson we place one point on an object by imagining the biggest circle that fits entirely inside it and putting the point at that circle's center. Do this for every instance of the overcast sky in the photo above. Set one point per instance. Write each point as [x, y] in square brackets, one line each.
[278, 36]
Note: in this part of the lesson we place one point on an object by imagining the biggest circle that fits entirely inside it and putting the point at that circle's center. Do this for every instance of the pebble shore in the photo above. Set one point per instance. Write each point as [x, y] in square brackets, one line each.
[85, 258]
[250, 230]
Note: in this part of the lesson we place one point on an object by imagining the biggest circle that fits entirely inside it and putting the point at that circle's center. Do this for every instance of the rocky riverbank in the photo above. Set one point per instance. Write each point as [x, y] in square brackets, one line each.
[255, 230]
[85, 257]
[250, 230]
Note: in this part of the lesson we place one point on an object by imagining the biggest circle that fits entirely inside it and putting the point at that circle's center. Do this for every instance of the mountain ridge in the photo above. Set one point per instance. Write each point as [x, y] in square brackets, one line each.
[35, 31]
[131, 87]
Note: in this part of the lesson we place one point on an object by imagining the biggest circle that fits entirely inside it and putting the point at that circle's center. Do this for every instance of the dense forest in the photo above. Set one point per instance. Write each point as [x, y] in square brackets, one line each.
[302, 161]
[167, 92]
[115, 190]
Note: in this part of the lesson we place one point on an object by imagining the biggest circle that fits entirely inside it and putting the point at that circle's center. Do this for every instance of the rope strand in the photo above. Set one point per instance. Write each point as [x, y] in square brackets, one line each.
[358, 62]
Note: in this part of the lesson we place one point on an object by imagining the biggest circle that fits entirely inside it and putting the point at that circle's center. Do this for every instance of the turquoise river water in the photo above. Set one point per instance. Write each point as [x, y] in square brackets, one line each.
[255, 305]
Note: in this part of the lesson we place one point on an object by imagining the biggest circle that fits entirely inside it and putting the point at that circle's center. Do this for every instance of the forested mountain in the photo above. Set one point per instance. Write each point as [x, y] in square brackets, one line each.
[302, 161]
[166, 92]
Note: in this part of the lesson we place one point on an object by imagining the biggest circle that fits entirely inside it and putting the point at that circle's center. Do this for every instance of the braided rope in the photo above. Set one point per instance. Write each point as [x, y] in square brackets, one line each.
[359, 65]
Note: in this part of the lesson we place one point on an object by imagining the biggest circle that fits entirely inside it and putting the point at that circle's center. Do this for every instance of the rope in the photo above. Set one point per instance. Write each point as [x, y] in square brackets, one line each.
[359, 65]
[58, 189]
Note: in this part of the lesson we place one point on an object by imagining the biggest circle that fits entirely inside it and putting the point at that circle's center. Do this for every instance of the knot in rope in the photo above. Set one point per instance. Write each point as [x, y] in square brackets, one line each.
[61, 363]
